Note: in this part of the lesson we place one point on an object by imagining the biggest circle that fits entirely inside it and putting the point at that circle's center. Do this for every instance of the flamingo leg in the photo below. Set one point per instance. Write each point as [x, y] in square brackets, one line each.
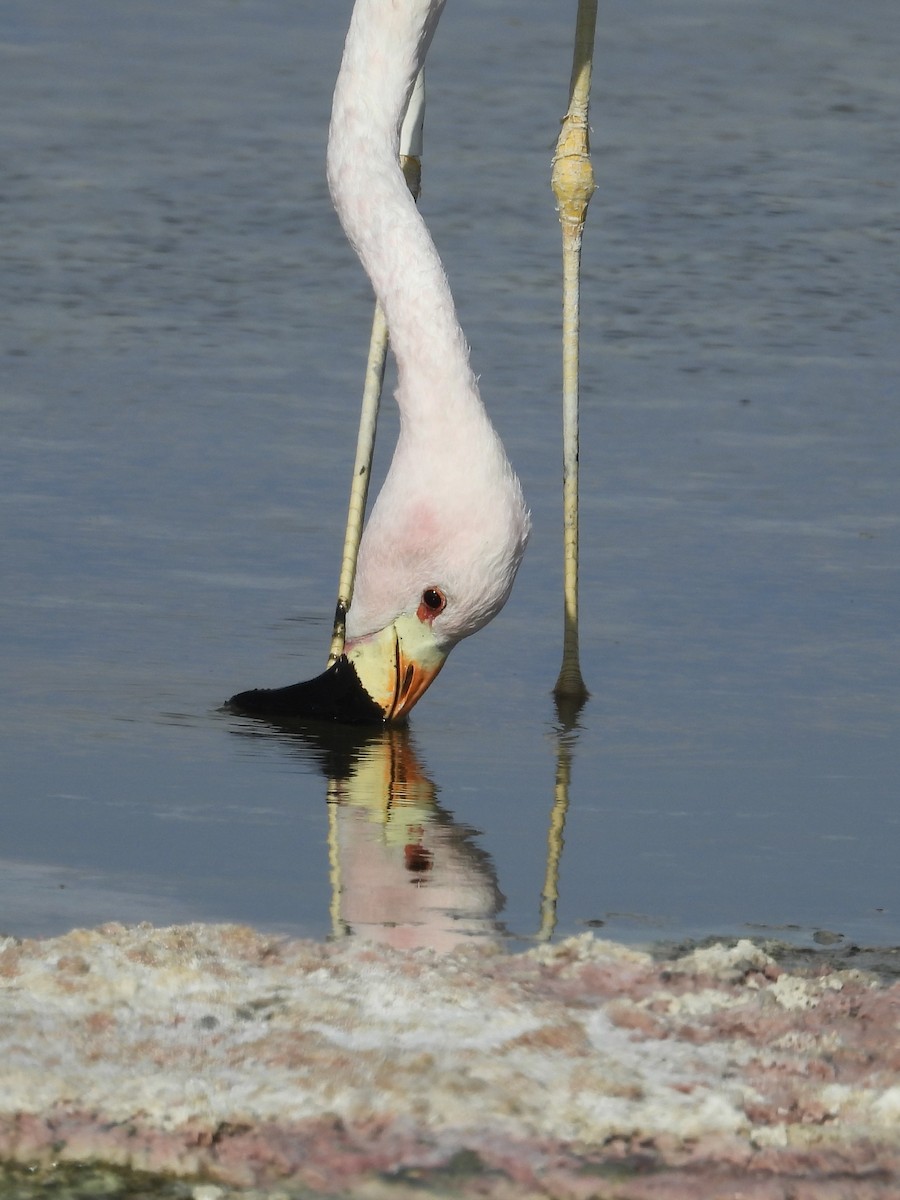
[573, 185]
[362, 470]
[411, 164]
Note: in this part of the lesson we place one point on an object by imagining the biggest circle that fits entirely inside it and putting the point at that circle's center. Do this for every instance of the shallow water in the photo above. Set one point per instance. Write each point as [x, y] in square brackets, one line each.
[183, 343]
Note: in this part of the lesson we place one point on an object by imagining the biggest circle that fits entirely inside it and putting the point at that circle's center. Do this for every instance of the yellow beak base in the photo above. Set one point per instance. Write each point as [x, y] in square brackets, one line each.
[397, 664]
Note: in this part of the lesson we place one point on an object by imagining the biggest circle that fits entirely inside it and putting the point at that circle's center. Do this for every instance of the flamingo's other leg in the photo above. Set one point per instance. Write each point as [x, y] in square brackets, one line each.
[573, 185]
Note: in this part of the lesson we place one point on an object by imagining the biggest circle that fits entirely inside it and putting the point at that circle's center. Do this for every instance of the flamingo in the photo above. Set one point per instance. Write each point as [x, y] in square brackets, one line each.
[446, 535]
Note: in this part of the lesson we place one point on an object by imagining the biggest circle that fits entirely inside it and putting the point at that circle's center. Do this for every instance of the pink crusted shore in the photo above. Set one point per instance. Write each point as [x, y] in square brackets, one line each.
[573, 1071]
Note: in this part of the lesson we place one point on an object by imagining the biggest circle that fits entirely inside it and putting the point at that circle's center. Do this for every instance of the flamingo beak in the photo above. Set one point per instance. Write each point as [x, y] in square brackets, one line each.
[376, 680]
[397, 664]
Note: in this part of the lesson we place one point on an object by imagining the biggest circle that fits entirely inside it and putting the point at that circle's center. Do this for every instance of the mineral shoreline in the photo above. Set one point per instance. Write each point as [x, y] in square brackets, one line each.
[577, 1070]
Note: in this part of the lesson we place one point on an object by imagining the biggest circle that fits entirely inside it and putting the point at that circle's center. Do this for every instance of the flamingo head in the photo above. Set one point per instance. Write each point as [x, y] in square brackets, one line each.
[437, 562]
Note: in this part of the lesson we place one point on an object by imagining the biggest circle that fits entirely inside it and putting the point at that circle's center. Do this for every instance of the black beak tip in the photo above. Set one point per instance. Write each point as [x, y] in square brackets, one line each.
[336, 695]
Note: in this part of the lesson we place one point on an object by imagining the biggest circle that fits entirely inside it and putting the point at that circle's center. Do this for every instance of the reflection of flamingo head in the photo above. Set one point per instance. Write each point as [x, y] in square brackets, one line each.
[410, 876]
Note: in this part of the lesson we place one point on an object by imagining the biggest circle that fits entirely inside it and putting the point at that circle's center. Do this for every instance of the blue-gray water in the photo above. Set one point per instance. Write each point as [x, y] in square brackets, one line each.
[183, 339]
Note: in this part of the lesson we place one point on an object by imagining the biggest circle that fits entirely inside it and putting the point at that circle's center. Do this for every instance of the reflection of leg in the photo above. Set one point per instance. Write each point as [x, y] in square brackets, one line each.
[410, 150]
[573, 186]
[550, 892]
[339, 927]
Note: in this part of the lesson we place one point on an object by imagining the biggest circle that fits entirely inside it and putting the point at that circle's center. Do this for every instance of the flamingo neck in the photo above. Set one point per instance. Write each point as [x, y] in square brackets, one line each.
[384, 51]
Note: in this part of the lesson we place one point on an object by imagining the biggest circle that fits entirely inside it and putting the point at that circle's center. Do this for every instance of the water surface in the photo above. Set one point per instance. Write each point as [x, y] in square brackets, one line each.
[183, 341]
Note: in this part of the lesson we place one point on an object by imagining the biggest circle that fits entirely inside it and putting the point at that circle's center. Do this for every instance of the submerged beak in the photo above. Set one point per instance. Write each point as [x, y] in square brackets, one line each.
[377, 680]
[397, 664]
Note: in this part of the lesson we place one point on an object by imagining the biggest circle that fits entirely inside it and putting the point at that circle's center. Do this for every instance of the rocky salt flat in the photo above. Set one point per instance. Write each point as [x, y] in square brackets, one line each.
[236, 1061]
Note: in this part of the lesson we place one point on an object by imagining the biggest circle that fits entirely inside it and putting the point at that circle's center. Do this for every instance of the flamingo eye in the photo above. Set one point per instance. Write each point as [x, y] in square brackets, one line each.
[433, 602]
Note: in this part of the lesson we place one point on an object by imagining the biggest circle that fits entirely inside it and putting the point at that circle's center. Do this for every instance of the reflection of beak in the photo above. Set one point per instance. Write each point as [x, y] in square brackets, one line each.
[378, 678]
[388, 783]
[397, 664]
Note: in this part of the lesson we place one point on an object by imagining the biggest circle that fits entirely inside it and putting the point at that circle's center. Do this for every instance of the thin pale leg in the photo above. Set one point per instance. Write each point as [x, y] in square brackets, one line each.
[573, 185]
[362, 470]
